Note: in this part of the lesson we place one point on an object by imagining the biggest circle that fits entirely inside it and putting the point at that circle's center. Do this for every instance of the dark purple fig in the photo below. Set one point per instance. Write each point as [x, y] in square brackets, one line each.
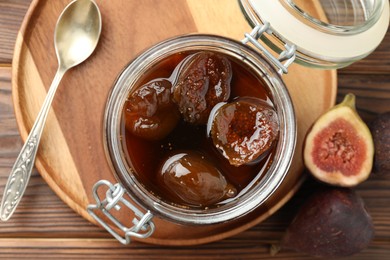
[339, 149]
[244, 130]
[203, 82]
[150, 112]
[331, 223]
[380, 129]
[194, 180]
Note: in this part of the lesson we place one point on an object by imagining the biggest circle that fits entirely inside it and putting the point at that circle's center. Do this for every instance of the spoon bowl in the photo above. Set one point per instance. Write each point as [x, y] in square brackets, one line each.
[76, 35]
[77, 32]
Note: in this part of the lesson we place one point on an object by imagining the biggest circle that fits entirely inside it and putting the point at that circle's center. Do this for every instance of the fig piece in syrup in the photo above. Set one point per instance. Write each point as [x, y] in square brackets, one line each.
[194, 180]
[203, 82]
[244, 130]
[150, 112]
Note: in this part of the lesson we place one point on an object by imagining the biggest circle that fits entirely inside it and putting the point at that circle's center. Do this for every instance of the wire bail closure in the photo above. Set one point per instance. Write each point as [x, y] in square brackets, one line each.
[287, 56]
[143, 224]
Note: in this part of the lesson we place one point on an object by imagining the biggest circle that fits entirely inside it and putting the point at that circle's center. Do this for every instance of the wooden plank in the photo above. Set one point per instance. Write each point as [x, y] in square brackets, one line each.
[43, 215]
[372, 92]
[11, 16]
[109, 249]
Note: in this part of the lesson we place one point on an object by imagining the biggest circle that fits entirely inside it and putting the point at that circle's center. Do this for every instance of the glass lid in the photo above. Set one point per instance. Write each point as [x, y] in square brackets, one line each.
[326, 33]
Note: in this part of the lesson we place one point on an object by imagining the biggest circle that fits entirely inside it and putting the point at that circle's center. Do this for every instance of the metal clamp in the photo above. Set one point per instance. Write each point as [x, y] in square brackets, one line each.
[287, 56]
[143, 224]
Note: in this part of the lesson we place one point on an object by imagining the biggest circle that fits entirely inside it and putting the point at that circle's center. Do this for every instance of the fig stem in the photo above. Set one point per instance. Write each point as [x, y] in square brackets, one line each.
[275, 248]
[349, 100]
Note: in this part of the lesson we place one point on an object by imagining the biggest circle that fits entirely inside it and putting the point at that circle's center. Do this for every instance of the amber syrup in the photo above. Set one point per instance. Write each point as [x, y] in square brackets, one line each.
[146, 157]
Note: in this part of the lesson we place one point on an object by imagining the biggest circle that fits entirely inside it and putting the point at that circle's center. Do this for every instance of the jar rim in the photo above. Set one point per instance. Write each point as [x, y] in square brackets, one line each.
[318, 45]
[370, 18]
[252, 198]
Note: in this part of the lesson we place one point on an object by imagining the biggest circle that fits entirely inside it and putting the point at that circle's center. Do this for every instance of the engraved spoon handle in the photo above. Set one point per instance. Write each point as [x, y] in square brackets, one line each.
[21, 171]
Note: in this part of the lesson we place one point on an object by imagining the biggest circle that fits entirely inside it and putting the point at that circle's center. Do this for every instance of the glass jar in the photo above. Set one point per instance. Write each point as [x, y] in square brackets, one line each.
[255, 194]
[298, 35]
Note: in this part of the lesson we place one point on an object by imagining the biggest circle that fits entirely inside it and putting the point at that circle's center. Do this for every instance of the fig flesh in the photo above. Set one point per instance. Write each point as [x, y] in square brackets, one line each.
[202, 83]
[331, 223]
[339, 149]
[380, 129]
[243, 130]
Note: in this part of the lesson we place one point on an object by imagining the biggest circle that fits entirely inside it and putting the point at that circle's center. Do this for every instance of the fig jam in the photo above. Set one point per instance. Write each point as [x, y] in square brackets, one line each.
[147, 156]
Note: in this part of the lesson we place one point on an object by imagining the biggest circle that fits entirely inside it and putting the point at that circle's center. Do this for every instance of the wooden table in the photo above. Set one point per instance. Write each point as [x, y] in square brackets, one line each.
[45, 227]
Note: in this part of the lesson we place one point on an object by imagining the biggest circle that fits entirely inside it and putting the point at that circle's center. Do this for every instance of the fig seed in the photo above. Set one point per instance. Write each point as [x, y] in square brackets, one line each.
[339, 148]
[203, 82]
[244, 130]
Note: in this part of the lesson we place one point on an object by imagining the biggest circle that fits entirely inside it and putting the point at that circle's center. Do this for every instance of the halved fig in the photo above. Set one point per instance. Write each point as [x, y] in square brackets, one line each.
[244, 130]
[194, 180]
[339, 149]
[333, 222]
[203, 82]
[150, 112]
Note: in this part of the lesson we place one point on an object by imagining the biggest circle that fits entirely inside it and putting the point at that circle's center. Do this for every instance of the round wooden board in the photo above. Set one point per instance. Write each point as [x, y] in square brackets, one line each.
[71, 157]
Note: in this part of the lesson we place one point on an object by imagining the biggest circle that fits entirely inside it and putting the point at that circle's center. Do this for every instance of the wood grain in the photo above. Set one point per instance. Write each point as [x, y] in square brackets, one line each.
[98, 248]
[44, 226]
[11, 16]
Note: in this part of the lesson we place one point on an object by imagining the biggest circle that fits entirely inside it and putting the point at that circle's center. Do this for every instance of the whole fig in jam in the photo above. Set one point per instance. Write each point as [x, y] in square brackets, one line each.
[150, 112]
[194, 180]
[203, 82]
[339, 149]
[332, 223]
[244, 130]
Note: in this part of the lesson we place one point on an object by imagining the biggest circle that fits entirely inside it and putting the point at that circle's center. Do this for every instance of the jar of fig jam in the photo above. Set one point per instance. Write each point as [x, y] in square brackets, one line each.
[200, 129]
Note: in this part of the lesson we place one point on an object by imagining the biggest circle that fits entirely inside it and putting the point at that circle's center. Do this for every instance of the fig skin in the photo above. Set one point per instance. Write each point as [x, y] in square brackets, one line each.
[150, 112]
[193, 180]
[332, 223]
[339, 149]
[380, 130]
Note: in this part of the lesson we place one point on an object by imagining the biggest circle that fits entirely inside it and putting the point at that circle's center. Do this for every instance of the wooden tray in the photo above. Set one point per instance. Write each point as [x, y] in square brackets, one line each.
[71, 156]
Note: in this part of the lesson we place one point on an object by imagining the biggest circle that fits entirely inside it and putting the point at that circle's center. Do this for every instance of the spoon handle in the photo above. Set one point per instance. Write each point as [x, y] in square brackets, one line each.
[21, 171]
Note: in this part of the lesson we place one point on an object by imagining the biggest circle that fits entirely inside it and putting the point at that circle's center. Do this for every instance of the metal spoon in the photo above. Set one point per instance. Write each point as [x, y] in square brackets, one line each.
[76, 35]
